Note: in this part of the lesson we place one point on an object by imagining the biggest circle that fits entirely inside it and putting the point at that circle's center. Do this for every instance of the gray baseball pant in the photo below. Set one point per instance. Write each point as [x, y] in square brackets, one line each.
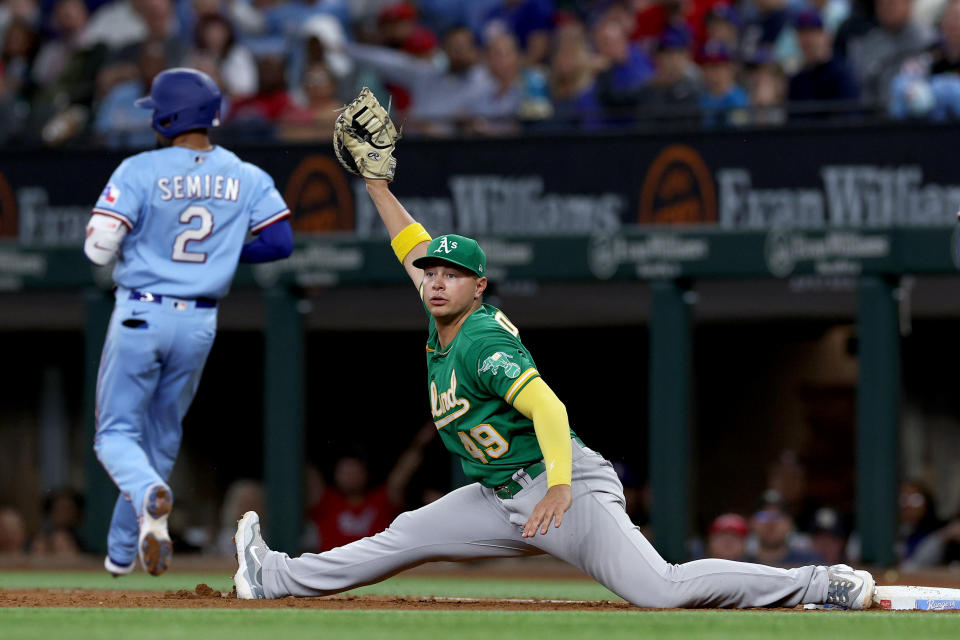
[596, 536]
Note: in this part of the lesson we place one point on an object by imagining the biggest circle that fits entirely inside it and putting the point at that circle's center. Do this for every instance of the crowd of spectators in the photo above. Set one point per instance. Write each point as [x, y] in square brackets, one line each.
[69, 69]
[787, 529]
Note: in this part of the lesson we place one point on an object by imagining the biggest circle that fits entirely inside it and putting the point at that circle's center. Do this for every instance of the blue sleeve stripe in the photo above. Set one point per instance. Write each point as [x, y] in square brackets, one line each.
[277, 217]
[113, 214]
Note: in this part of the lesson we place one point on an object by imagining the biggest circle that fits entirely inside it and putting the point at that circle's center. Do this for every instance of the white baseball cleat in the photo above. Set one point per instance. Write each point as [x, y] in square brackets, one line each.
[848, 588]
[251, 550]
[154, 544]
[117, 570]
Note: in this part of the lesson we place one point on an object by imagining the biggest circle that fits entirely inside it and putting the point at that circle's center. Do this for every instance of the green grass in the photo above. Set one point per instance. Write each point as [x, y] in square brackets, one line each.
[400, 585]
[90, 624]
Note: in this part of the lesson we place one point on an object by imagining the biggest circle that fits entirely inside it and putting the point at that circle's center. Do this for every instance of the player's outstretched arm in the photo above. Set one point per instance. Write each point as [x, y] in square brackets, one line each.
[407, 237]
[364, 138]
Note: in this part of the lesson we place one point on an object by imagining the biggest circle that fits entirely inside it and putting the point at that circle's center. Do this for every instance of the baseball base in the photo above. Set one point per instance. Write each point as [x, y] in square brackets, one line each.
[901, 598]
[907, 598]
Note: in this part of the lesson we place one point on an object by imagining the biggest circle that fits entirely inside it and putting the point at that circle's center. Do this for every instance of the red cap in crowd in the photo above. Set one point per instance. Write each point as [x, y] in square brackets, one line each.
[397, 12]
[730, 523]
[420, 41]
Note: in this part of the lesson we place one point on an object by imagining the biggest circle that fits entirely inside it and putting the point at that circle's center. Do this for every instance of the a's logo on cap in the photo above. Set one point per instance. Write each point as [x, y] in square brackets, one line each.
[445, 245]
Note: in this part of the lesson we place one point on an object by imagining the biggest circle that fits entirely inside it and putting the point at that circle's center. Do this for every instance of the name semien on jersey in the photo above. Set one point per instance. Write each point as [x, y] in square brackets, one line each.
[199, 187]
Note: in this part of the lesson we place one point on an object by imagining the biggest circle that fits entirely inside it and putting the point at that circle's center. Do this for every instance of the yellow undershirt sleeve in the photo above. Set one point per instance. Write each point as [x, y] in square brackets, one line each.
[538, 402]
[407, 239]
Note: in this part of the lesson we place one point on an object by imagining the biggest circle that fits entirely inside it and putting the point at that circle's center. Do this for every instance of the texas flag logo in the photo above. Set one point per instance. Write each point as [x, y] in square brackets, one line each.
[110, 194]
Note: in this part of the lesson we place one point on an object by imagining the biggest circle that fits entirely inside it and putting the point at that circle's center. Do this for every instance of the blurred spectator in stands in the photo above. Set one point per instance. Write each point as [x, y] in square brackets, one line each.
[572, 88]
[723, 102]
[398, 29]
[787, 475]
[438, 93]
[20, 45]
[272, 101]
[928, 12]
[727, 537]
[324, 41]
[824, 77]
[238, 69]
[206, 62]
[63, 513]
[650, 19]
[68, 21]
[767, 89]
[190, 12]
[495, 110]
[530, 21]
[776, 543]
[861, 19]
[623, 70]
[676, 86]
[351, 509]
[13, 532]
[828, 536]
[24, 10]
[284, 19]
[877, 56]
[769, 30]
[396, 23]
[118, 123]
[314, 121]
[242, 495]
[160, 25]
[918, 518]
[121, 23]
[929, 85]
[942, 547]
[722, 24]
[833, 13]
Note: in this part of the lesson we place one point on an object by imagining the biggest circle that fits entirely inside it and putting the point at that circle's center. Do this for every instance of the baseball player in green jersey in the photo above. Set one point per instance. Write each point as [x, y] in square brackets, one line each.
[537, 488]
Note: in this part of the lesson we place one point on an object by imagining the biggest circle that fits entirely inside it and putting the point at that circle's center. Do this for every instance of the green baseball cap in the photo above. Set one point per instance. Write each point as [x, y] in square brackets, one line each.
[459, 250]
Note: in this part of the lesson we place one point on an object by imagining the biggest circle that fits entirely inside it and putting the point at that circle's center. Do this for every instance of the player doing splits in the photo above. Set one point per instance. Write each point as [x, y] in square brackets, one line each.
[495, 412]
[176, 219]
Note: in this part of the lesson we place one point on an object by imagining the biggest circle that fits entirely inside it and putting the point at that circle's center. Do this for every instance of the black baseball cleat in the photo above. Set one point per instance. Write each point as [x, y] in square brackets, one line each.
[848, 588]
[251, 550]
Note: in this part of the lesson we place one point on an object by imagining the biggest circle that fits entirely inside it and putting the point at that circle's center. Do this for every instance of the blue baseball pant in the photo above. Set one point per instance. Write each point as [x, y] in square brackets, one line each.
[151, 364]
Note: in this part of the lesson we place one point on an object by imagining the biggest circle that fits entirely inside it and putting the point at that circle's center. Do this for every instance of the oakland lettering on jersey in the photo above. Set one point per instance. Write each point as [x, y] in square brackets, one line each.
[442, 403]
[199, 188]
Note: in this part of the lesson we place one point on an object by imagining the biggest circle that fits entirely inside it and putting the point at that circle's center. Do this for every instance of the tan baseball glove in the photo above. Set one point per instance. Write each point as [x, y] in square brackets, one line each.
[364, 137]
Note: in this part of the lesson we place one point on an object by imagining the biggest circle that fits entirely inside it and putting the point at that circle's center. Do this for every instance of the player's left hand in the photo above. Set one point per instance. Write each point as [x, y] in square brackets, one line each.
[552, 507]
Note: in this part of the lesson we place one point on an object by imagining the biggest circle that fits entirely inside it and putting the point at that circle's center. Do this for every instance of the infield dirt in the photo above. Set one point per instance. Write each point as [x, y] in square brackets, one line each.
[205, 597]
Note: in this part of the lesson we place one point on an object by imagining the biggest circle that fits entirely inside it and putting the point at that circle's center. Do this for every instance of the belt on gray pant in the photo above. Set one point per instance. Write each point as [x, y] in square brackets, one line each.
[511, 487]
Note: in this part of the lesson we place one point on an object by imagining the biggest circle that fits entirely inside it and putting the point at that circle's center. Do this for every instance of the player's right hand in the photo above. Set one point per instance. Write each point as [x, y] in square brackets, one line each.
[552, 507]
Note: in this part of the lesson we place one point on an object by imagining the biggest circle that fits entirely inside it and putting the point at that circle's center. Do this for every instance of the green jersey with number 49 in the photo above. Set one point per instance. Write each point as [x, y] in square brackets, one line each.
[473, 383]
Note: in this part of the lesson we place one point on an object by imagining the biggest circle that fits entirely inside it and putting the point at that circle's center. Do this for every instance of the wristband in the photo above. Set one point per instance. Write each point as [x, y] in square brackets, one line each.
[411, 236]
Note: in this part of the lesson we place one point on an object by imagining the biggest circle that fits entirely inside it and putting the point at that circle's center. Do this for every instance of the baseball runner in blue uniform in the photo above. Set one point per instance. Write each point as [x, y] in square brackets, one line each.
[511, 433]
[176, 218]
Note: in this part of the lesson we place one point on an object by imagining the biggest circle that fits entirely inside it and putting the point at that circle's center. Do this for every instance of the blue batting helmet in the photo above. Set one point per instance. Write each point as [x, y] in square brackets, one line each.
[182, 99]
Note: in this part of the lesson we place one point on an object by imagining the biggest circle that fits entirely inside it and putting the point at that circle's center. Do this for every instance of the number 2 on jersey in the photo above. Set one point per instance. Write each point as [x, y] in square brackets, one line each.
[486, 436]
[180, 253]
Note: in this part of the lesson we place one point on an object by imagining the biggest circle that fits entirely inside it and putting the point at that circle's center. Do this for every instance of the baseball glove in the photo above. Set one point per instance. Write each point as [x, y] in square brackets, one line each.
[364, 137]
